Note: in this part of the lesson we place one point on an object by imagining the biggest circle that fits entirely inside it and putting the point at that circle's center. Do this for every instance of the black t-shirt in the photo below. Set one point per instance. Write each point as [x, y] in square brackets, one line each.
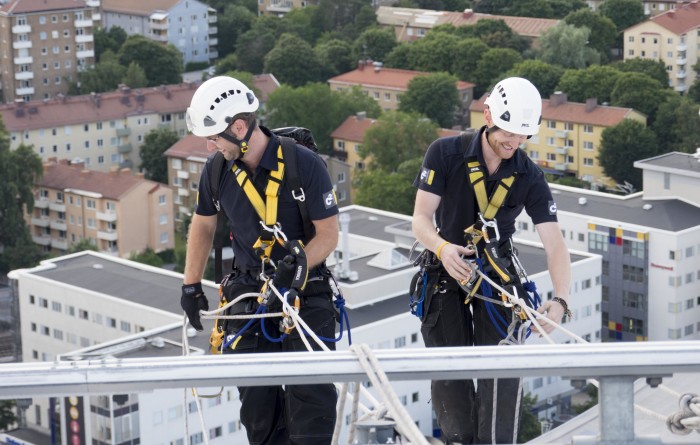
[444, 173]
[245, 222]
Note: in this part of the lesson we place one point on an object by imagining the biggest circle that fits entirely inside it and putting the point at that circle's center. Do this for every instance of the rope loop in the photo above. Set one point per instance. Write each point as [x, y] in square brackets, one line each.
[686, 420]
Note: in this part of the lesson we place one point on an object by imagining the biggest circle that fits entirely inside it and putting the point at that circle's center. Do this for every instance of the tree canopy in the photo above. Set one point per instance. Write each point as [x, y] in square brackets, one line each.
[390, 191]
[293, 61]
[603, 31]
[595, 81]
[335, 57]
[434, 96]
[638, 91]
[676, 124]
[566, 45]
[233, 21]
[375, 43]
[622, 145]
[623, 13]
[656, 69]
[153, 162]
[161, 63]
[542, 74]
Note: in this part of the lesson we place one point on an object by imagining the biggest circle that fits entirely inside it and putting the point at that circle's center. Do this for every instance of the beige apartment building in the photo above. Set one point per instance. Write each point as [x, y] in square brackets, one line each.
[386, 85]
[281, 7]
[412, 24]
[569, 137]
[651, 7]
[674, 38]
[119, 211]
[347, 141]
[44, 45]
[103, 130]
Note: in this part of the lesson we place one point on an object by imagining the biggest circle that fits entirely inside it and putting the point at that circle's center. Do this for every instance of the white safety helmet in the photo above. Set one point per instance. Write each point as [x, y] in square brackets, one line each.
[215, 102]
[516, 106]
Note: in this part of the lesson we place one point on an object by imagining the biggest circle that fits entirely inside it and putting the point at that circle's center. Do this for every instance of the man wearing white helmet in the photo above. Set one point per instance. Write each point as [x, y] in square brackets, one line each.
[223, 111]
[483, 182]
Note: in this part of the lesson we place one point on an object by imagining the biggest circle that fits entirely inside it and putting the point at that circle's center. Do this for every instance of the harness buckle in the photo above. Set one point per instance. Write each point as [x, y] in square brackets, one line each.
[301, 197]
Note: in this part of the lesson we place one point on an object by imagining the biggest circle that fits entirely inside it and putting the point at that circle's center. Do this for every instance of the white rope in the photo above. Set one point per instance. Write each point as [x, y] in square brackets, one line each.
[339, 412]
[353, 417]
[686, 420]
[404, 424]
[186, 352]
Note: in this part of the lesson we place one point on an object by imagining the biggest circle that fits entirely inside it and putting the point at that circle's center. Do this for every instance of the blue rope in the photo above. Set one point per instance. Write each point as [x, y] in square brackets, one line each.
[340, 304]
[417, 310]
[268, 336]
[245, 328]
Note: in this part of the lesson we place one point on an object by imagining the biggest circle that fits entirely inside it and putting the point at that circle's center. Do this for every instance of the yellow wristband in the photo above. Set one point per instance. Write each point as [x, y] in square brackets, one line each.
[440, 248]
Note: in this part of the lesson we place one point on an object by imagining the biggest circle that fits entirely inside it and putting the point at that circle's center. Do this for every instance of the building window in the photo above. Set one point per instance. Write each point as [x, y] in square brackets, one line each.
[588, 162]
[83, 314]
[125, 326]
[587, 145]
[598, 241]
[551, 124]
[551, 156]
[667, 181]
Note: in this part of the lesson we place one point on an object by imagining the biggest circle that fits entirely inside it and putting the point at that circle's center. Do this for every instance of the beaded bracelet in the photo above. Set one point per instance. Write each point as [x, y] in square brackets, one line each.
[563, 303]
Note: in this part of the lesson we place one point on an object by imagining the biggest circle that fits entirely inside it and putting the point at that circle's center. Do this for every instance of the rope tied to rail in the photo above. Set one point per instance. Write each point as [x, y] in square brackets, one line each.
[686, 420]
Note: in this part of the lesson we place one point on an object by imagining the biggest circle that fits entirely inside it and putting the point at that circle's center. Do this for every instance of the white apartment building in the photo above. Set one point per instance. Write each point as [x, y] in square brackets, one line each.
[44, 46]
[189, 25]
[649, 242]
[93, 305]
[104, 130]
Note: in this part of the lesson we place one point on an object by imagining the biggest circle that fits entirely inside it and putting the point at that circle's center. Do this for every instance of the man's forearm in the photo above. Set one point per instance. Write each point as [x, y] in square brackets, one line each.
[199, 242]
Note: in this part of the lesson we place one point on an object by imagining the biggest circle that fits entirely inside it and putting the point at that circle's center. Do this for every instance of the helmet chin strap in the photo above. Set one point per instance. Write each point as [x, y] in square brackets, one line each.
[242, 143]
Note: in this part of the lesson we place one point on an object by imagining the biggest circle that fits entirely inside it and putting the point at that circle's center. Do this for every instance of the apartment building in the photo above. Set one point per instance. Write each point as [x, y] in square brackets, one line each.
[672, 37]
[651, 7]
[649, 242]
[96, 306]
[347, 141]
[120, 212]
[412, 24]
[186, 159]
[386, 85]
[280, 8]
[569, 138]
[102, 130]
[189, 25]
[45, 45]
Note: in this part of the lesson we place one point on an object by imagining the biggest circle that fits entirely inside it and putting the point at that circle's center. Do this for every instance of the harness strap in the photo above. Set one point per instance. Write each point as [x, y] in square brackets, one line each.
[488, 207]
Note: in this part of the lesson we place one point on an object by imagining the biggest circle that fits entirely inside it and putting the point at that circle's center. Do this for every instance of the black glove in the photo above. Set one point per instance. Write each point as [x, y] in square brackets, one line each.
[292, 271]
[192, 301]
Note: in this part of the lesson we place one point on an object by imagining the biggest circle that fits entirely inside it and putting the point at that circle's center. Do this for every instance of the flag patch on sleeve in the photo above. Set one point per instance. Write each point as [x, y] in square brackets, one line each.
[426, 176]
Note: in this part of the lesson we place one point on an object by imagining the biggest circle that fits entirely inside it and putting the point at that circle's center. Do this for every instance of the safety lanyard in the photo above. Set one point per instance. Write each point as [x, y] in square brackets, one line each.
[488, 207]
[267, 208]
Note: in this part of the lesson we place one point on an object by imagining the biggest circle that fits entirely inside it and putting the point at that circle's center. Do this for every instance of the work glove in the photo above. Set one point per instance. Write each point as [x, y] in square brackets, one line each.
[292, 271]
[192, 301]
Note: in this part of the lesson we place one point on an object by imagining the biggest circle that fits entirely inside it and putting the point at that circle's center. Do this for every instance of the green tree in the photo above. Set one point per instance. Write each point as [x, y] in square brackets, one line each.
[434, 96]
[148, 256]
[638, 91]
[153, 163]
[623, 13]
[335, 57]
[543, 75]
[566, 45]
[390, 191]
[400, 56]
[19, 170]
[491, 67]
[345, 17]
[289, 49]
[375, 43]
[7, 414]
[135, 76]
[110, 40]
[466, 58]
[532, 8]
[603, 31]
[83, 244]
[227, 63]
[251, 48]
[592, 401]
[234, 21]
[529, 424]
[161, 63]
[105, 76]
[656, 69]
[434, 52]
[300, 21]
[676, 124]
[397, 137]
[622, 145]
[317, 108]
[495, 34]
[595, 81]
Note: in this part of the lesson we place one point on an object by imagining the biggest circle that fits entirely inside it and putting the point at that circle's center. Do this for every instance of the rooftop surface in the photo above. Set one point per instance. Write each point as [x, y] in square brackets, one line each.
[683, 163]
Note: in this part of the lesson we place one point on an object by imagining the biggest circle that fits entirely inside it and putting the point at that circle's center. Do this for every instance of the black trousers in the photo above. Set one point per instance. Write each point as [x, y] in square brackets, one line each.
[464, 412]
[294, 414]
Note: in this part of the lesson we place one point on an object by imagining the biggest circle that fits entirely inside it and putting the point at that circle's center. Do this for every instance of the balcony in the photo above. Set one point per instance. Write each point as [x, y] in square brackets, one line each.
[561, 150]
[24, 44]
[561, 133]
[681, 47]
[96, 17]
[681, 74]
[41, 203]
[126, 163]
[85, 54]
[57, 206]
[213, 42]
[59, 243]
[213, 30]
[560, 166]
[108, 216]
[84, 23]
[22, 60]
[21, 29]
[84, 38]
[183, 192]
[24, 75]
[681, 88]
[93, 3]
[184, 210]
[213, 54]
[681, 61]
[160, 37]
[58, 224]
[107, 235]
[122, 132]
[42, 240]
[42, 221]
[163, 26]
[183, 174]
[124, 148]
[211, 19]
[25, 91]
[340, 154]
[280, 6]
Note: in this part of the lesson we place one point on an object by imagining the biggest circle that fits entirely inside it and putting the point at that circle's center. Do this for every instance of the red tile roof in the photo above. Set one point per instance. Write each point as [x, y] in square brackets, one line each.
[684, 18]
[189, 146]
[266, 84]
[111, 185]
[524, 26]
[603, 116]
[353, 129]
[73, 110]
[392, 78]
[138, 7]
[30, 6]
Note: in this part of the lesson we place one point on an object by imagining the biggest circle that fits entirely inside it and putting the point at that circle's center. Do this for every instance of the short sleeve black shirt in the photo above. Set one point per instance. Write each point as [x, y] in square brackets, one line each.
[245, 222]
[444, 173]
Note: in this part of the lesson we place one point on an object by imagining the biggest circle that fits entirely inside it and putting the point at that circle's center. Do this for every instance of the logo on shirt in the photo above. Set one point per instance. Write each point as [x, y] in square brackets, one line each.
[329, 199]
[552, 208]
[426, 175]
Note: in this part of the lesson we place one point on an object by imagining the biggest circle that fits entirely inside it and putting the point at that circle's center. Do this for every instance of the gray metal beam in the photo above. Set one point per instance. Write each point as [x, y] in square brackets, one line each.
[146, 374]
